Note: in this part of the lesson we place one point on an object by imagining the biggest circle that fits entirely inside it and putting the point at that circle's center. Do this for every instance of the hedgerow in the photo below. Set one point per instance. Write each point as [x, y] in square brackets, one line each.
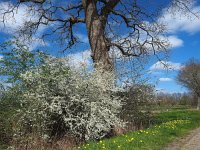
[60, 100]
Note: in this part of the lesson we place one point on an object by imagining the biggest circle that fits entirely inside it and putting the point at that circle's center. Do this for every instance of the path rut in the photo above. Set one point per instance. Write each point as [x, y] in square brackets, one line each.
[188, 142]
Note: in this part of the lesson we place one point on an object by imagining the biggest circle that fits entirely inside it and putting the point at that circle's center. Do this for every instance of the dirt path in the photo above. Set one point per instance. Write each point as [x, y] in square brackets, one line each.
[189, 142]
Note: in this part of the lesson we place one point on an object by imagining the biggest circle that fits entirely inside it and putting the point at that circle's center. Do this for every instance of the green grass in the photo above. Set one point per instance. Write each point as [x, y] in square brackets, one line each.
[168, 126]
[163, 108]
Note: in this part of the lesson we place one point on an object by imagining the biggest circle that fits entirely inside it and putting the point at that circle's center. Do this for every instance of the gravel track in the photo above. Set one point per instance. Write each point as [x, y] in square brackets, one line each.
[188, 142]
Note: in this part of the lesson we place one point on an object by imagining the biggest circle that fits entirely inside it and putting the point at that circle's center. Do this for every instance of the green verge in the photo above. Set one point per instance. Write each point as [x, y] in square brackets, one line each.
[167, 127]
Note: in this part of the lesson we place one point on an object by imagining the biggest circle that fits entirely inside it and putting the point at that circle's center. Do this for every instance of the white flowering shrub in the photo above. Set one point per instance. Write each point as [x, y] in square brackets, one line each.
[60, 101]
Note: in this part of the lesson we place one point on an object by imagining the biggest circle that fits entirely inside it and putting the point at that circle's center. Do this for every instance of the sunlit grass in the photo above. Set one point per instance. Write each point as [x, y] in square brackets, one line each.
[169, 126]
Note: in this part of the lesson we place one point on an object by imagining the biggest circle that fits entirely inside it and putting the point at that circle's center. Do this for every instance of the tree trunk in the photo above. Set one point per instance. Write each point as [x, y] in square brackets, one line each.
[99, 48]
[198, 103]
[96, 32]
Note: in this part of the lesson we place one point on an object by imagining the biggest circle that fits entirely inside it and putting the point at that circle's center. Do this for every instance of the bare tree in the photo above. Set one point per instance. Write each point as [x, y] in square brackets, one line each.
[189, 76]
[128, 26]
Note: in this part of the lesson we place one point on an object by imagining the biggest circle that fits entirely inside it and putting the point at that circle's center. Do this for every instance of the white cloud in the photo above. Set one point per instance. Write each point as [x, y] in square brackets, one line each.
[176, 20]
[175, 41]
[1, 57]
[165, 79]
[172, 40]
[12, 22]
[166, 65]
[81, 58]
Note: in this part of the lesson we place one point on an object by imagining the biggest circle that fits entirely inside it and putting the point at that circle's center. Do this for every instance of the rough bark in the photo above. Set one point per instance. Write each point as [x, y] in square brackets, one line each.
[95, 24]
[100, 50]
[198, 103]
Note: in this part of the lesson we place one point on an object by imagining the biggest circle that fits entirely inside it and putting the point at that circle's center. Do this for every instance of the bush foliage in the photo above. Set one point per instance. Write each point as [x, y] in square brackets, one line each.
[76, 102]
[44, 97]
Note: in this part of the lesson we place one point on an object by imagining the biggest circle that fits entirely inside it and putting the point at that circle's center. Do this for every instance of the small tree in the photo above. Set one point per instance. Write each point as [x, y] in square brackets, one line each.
[16, 59]
[135, 110]
[189, 76]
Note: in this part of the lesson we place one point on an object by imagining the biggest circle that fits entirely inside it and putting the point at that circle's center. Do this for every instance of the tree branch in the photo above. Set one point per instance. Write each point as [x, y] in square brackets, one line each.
[34, 1]
[109, 6]
[125, 53]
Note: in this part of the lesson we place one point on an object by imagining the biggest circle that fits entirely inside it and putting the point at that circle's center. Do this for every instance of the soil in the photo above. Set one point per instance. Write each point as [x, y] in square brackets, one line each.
[189, 142]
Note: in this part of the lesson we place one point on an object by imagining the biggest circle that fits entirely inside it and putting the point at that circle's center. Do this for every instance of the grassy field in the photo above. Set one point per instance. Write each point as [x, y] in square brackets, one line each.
[167, 126]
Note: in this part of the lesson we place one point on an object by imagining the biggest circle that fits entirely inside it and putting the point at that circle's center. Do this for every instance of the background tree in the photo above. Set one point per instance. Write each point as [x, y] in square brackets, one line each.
[189, 76]
[127, 26]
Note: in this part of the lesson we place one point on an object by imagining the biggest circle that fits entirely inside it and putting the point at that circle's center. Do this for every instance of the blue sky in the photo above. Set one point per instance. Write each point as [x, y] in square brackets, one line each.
[179, 55]
[183, 32]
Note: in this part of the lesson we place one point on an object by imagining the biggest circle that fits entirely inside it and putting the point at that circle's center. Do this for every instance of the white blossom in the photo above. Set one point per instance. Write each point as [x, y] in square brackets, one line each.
[84, 101]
